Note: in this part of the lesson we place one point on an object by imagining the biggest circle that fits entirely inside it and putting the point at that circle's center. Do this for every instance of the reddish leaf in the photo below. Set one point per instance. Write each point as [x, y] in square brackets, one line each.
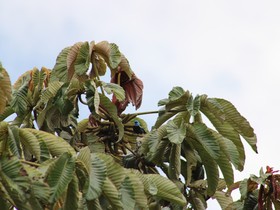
[133, 88]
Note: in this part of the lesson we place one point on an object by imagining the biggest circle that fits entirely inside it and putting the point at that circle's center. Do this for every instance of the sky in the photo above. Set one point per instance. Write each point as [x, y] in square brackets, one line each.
[225, 49]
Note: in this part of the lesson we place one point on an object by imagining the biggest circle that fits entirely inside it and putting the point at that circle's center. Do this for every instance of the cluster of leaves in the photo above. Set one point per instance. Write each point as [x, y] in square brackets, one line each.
[49, 160]
[258, 192]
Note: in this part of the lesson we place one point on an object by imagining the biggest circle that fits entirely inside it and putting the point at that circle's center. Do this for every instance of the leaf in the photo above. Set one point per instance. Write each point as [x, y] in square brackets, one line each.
[176, 134]
[5, 89]
[193, 105]
[223, 199]
[30, 143]
[114, 88]
[226, 169]
[127, 194]
[51, 91]
[59, 71]
[72, 195]
[226, 130]
[98, 174]
[13, 141]
[174, 168]
[56, 145]
[166, 189]
[239, 123]
[112, 195]
[210, 165]
[110, 52]
[114, 171]
[19, 102]
[59, 175]
[206, 139]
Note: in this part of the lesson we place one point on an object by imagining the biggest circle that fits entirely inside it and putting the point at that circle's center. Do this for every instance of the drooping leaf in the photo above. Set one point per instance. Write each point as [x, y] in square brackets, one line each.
[13, 141]
[193, 105]
[19, 102]
[114, 88]
[59, 175]
[110, 52]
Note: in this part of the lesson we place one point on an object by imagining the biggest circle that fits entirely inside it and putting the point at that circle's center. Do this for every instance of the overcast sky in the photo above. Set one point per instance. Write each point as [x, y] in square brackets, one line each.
[226, 49]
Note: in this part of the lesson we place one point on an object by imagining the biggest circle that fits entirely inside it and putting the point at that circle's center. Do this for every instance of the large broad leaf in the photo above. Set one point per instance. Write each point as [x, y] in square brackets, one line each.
[98, 174]
[223, 199]
[19, 102]
[59, 71]
[59, 175]
[239, 123]
[110, 52]
[161, 187]
[216, 116]
[5, 88]
[193, 105]
[78, 59]
[176, 134]
[56, 145]
[72, 196]
[174, 168]
[51, 91]
[114, 171]
[226, 169]
[13, 141]
[112, 194]
[132, 192]
[206, 138]
[30, 143]
[209, 163]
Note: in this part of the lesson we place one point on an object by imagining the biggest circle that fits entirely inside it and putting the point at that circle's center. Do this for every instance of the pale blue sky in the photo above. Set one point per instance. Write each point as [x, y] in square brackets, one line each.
[226, 49]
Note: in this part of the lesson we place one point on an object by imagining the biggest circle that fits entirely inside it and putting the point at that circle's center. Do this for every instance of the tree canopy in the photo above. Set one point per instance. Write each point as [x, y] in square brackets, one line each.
[52, 159]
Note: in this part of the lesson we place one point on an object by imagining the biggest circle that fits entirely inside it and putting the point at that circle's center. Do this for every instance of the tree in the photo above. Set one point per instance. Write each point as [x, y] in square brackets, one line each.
[49, 160]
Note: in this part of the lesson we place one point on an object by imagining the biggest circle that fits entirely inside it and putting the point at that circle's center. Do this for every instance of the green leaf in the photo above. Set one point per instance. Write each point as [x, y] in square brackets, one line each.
[59, 175]
[206, 138]
[51, 91]
[226, 169]
[239, 123]
[226, 130]
[78, 59]
[176, 134]
[174, 168]
[127, 194]
[59, 71]
[56, 145]
[13, 141]
[72, 195]
[19, 102]
[223, 199]
[165, 189]
[114, 171]
[193, 105]
[114, 88]
[30, 143]
[210, 165]
[110, 52]
[112, 194]
[98, 174]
